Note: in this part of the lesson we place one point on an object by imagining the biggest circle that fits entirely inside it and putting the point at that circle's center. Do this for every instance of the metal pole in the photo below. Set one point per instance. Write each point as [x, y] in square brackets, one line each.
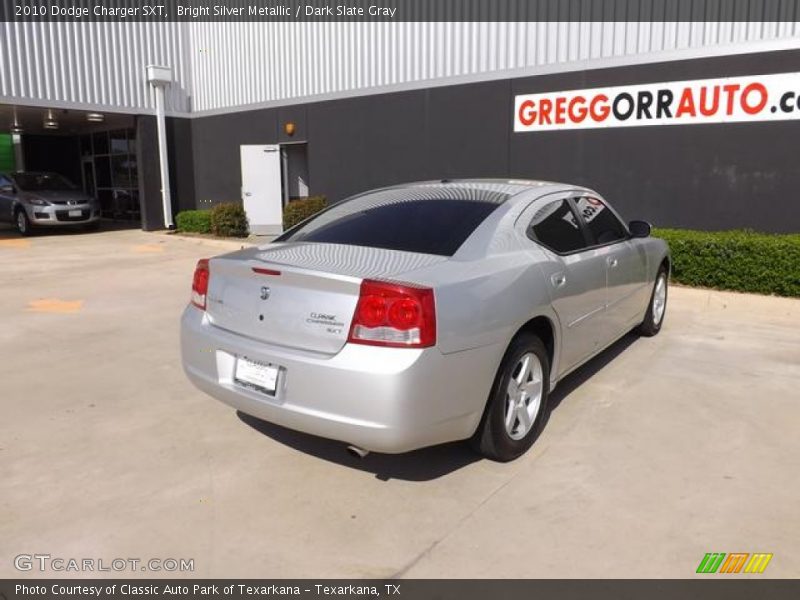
[19, 155]
[162, 156]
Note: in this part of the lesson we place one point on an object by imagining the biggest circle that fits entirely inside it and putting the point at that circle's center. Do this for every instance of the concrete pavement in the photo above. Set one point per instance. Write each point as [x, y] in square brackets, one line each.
[657, 452]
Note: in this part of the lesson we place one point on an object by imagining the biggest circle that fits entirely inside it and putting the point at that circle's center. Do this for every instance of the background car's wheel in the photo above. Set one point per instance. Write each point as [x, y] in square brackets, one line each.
[22, 222]
[517, 407]
[657, 308]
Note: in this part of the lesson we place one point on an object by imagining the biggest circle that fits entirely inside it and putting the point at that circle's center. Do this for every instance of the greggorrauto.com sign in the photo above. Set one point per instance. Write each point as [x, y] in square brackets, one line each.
[726, 100]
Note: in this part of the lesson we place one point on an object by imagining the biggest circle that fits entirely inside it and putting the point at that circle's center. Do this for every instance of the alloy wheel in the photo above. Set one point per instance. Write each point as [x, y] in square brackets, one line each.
[523, 396]
[659, 299]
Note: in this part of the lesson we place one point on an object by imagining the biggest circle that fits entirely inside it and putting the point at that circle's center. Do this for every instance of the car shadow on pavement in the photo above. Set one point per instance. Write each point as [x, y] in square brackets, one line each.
[581, 375]
[8, 231]
[428, 463]
[420, 465]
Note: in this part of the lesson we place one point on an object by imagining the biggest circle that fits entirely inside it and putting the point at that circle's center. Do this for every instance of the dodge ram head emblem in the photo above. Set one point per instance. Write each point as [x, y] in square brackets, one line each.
[264, 292]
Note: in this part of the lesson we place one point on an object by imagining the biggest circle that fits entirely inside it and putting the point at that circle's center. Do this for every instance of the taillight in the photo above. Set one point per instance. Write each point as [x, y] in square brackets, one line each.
[200, 283]
[394, 314]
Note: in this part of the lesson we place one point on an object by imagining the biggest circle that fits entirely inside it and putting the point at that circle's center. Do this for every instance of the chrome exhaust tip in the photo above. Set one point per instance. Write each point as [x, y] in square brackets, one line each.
[357, 452]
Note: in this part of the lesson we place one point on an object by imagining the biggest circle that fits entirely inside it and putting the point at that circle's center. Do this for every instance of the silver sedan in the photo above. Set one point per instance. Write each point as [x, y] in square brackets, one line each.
[424, 313]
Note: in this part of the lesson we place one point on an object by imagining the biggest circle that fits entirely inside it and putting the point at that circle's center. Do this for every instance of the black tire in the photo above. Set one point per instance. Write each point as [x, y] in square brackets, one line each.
[22, 222]
[492, 438]
[651, 325]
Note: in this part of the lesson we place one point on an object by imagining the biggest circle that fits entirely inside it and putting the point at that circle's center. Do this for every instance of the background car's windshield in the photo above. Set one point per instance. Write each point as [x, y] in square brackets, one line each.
[38, 182]
[430, 221]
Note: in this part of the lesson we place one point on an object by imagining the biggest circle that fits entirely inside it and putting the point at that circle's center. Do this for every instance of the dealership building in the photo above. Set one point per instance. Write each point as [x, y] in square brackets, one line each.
[689, 124]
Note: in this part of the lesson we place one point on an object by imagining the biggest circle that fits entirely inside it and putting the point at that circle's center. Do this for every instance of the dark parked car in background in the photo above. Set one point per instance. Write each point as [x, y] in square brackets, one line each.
[31, 199]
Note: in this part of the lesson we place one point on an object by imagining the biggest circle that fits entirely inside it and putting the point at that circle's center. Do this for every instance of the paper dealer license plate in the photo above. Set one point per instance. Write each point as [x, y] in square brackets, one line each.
[257, 374]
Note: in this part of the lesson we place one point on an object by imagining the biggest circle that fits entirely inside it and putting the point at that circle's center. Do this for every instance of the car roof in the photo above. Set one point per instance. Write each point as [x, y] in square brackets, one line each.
[508, 188]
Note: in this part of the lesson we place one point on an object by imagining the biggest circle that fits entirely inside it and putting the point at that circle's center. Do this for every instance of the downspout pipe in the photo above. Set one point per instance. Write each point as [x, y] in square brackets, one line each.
[160, 77]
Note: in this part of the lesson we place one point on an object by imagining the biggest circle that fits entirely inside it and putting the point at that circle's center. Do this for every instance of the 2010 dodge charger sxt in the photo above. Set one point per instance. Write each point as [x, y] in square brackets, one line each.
[424, 313]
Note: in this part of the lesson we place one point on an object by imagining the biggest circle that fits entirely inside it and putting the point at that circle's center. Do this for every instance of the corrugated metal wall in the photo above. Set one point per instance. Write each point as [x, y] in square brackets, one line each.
[223, 65]
[97, 64]
[236, 64]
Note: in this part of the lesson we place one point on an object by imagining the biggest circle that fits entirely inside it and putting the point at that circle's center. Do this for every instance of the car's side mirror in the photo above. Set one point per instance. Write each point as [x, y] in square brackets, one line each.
[6, 189]
[639, 229]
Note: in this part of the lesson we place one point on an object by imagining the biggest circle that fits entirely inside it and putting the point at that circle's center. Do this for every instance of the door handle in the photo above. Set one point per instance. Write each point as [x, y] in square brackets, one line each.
[248, 194]
[558, 279]
[612, 262]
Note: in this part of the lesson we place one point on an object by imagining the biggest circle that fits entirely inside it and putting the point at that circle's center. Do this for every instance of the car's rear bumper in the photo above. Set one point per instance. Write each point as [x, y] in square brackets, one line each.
[381, 399]
[57, 215]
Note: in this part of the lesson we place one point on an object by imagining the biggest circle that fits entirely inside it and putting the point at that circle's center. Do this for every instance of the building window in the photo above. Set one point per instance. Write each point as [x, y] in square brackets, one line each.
[110, 172]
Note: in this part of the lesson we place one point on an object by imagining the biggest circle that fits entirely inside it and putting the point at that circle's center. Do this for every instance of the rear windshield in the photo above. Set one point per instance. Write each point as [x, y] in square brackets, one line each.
[399, 220]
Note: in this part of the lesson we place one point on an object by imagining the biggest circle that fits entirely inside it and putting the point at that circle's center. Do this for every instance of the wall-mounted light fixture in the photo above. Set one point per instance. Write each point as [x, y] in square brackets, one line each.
[16, 126]
[95, 118]
[50, 121]
[289, 128]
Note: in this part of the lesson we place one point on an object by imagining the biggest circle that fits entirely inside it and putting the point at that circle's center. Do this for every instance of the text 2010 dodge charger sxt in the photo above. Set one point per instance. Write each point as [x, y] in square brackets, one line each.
[424, 313]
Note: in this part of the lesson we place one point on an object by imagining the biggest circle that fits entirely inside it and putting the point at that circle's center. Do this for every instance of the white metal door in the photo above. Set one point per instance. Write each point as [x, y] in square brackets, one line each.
[262, 195]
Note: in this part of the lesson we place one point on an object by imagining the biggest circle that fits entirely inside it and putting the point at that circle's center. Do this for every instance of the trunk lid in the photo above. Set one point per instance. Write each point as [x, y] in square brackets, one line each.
[299, 295]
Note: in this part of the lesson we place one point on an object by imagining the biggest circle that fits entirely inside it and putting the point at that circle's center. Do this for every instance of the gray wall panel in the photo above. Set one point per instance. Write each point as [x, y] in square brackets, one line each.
[149, 173]
[338, 165]
[181, 164]
[716, 176]
[469, 129]
[216, 141]
[396, 138]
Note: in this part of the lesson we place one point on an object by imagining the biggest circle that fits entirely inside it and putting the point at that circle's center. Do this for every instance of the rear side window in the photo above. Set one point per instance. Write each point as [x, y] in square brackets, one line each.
[604, 226]
[402, 220]
[554, 226]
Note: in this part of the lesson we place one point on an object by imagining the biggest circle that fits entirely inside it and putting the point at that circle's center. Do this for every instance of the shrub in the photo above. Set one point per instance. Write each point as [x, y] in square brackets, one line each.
[743, 261]
[194, 221]
[300, 209]
[229, 220]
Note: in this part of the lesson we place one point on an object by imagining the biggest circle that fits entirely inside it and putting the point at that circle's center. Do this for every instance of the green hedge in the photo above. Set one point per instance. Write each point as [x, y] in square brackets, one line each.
[229, 220]
[302, 208]
[194, 221]
[744, 261]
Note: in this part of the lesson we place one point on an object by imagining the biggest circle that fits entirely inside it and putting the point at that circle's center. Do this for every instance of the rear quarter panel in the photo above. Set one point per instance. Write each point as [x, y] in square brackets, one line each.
[485, 302]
